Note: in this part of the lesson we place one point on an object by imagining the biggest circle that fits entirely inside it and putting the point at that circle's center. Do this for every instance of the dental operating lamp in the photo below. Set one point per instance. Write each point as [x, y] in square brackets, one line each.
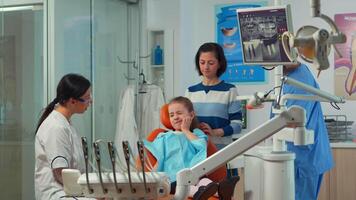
[313, 44]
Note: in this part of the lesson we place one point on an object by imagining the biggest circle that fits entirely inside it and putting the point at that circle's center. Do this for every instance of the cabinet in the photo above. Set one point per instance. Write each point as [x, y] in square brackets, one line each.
[339, 183]
[161, 75]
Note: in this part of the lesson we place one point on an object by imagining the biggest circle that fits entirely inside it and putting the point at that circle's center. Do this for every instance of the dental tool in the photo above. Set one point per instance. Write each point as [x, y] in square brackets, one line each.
[97, 158]
[86, 159]
[113, 161]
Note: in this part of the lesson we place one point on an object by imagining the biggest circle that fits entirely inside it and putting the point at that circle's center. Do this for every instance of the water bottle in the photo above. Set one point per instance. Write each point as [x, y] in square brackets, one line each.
[158, 56]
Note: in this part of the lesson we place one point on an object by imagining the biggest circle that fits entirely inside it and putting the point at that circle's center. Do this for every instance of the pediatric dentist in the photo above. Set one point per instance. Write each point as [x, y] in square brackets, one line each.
[57, 144]
[313, 160]
[214, 100]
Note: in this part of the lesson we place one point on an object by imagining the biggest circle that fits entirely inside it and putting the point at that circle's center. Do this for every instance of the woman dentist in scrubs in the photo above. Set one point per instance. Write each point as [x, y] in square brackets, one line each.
[57, 144]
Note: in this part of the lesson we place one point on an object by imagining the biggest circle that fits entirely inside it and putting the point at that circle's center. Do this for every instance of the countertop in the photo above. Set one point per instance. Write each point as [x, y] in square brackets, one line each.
[343, 145]
[238, 162]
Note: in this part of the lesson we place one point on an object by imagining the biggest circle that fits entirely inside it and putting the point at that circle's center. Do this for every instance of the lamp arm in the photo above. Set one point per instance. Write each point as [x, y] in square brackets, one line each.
[318, 92]
[294, 116]
[302, 97]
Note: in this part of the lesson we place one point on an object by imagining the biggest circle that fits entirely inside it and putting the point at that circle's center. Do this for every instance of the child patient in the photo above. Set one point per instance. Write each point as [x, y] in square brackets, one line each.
[182, 147]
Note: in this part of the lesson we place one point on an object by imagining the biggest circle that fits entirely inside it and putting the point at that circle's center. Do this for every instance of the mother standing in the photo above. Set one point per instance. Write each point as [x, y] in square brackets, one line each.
[215, 100]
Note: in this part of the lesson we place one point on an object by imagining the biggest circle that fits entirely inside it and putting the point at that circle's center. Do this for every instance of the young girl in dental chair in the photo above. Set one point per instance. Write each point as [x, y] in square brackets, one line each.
[182, 147]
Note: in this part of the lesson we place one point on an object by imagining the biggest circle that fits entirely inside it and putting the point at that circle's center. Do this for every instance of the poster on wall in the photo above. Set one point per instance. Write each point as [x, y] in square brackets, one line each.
[228, 37]
[345, 67]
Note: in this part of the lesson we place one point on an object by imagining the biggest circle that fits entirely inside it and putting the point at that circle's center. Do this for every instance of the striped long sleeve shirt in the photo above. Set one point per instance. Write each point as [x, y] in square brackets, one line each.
[217, 106]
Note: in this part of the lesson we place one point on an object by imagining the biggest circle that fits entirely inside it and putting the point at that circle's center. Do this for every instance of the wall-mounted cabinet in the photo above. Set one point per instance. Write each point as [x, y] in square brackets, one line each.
[161, 64]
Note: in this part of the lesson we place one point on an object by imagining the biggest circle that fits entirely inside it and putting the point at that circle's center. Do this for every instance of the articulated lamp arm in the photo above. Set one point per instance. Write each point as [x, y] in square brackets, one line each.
[293, 117]
[325, 95]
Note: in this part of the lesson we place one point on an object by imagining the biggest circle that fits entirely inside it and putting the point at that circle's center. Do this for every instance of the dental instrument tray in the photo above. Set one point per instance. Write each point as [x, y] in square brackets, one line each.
[339, 128]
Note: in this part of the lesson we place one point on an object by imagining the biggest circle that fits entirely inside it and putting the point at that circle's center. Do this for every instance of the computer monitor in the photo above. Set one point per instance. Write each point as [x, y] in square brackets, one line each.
[261, 29]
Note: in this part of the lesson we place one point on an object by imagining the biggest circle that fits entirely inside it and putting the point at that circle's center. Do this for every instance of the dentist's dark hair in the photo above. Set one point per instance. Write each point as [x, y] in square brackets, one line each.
[70, 86]
[219, 55]
[189, 105]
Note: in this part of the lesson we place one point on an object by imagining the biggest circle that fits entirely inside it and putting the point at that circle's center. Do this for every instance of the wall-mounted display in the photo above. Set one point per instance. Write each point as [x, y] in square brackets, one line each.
[261, 29]
[228, 36]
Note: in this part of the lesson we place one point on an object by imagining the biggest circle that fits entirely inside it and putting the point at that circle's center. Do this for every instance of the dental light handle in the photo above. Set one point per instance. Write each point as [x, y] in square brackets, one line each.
[336, 37]
[321, 47]
[287, 40]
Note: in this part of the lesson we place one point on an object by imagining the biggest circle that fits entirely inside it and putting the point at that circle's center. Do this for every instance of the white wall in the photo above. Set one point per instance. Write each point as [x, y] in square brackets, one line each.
[195, 25]
[162, 15]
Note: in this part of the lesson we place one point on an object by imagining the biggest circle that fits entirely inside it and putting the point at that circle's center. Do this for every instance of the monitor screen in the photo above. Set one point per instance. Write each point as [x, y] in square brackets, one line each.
[261, 29]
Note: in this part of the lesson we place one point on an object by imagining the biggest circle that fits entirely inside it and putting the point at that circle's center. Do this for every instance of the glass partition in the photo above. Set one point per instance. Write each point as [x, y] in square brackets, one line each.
[85, 37]
[110, 45]
[92, 38]
[70, 49]
[21, 96]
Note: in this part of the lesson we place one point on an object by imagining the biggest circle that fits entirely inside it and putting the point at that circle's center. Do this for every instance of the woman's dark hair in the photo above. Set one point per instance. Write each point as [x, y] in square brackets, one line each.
[189, 105]
[219, 54]
[70, 86]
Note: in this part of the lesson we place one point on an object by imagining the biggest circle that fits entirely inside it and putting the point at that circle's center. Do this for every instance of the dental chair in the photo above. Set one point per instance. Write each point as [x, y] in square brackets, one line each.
[221, 185]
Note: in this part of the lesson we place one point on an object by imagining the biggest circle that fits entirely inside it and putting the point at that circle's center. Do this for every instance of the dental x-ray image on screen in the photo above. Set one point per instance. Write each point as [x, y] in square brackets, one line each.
[261, 29]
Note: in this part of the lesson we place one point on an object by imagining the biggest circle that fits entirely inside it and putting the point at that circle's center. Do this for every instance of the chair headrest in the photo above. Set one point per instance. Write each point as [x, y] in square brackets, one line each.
[164, 114]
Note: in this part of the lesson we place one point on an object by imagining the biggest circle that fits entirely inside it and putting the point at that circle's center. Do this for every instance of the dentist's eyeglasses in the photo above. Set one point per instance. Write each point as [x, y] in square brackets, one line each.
[85, 101]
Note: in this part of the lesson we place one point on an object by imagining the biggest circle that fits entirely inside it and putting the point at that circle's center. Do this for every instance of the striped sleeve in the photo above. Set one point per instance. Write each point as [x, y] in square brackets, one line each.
[234, 114]
[187, 94]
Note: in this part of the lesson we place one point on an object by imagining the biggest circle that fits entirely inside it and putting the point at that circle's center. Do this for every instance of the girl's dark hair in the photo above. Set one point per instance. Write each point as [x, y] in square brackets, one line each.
[219, 54]
[189, 105]
[70, 86]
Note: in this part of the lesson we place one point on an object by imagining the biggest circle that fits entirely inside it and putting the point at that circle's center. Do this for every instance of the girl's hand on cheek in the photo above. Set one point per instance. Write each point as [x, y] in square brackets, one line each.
[186, 124]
